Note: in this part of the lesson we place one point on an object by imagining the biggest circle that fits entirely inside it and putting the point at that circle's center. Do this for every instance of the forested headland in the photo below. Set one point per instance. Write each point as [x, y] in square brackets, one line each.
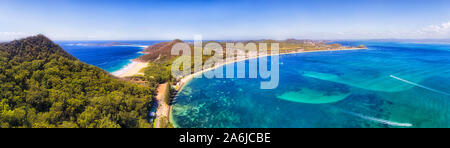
[42, 86]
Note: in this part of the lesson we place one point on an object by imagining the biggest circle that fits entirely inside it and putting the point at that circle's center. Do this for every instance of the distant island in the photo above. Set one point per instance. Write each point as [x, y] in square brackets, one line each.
[106, 44]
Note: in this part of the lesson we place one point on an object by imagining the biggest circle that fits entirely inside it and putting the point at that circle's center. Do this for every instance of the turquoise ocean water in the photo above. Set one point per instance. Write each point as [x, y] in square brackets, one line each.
[391, 84]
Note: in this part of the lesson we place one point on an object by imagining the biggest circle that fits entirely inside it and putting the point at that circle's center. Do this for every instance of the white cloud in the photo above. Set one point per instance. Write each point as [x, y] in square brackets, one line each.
[13, 35]
[443, 28]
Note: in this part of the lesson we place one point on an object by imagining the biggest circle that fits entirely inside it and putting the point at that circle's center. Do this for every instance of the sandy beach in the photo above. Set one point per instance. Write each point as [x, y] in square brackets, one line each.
[134, 67]
[131, 69]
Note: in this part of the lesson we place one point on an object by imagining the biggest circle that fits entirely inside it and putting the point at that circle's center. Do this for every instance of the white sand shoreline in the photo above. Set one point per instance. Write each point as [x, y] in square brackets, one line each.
[131, 69]
[134, 67]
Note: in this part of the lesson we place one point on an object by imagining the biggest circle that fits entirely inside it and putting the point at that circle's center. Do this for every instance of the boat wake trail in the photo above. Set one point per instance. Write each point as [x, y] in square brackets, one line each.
[377, 120]
[418, 85]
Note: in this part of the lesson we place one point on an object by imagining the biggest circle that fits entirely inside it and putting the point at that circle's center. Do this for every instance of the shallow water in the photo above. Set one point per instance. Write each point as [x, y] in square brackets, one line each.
[389, 85]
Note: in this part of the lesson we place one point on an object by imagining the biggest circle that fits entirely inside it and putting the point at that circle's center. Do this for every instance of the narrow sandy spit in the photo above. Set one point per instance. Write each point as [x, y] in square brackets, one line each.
[163, 109]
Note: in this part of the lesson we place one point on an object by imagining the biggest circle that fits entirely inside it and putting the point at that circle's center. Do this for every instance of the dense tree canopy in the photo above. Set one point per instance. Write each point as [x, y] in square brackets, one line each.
[158, 72]
[43, 86]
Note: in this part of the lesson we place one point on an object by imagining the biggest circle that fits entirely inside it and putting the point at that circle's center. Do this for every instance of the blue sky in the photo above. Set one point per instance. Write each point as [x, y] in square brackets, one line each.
[227, 19]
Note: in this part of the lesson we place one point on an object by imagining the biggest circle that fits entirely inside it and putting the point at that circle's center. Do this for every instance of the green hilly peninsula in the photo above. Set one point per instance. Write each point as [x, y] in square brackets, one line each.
[42, 86]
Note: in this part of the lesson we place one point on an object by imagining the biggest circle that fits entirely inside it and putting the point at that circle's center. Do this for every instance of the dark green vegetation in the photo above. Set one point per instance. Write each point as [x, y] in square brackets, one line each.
[158, 72]
[43, 86]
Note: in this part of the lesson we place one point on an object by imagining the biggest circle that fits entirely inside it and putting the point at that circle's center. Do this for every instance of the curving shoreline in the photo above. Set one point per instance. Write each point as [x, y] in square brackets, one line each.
[134, 67]
[131, 69]
[185, 80]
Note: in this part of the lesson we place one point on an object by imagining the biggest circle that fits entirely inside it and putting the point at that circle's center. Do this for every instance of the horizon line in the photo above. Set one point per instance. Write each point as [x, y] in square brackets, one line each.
[363, 39]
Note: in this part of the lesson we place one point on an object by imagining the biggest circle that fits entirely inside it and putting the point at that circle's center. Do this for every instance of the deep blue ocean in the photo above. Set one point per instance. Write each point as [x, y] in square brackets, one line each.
[103, 54]
[390, 84]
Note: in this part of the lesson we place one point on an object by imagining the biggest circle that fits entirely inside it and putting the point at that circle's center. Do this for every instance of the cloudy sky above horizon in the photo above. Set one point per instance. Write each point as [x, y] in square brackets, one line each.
[220, 19]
